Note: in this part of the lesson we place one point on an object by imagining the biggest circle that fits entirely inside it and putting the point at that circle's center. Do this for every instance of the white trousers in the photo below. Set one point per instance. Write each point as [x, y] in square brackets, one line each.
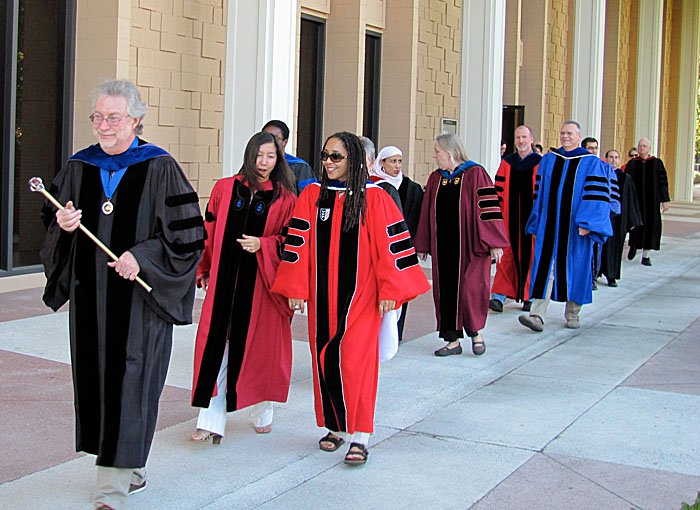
[112, 487]
[357, 437]
[213, 418]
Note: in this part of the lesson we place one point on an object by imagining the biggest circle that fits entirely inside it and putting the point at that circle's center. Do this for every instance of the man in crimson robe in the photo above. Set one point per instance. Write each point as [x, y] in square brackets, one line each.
[514, 183]
[651, 184]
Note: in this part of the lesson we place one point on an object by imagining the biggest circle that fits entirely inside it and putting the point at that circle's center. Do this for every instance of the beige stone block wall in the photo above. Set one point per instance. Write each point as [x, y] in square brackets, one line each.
[439, 68]
[557, 76]
[177, 58]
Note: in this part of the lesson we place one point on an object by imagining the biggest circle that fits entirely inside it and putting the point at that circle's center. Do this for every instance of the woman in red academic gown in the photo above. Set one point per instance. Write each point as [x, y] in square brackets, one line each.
[243, 352]
[348, 253]
[462, 228]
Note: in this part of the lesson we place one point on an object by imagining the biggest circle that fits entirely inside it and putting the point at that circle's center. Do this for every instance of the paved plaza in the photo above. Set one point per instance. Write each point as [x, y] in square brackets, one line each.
[604, 417]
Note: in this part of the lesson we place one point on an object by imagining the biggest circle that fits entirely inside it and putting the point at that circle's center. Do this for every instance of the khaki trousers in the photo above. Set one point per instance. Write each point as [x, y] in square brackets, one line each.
[539, 306]
[112, 487]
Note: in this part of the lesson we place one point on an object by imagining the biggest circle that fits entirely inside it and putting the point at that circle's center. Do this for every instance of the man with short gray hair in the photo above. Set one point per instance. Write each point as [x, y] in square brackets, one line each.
[571, 211]
[137, 200]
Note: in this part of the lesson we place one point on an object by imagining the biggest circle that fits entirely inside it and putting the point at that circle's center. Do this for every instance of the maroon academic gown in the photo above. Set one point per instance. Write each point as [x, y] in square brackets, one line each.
[239, 305]
[460, 222]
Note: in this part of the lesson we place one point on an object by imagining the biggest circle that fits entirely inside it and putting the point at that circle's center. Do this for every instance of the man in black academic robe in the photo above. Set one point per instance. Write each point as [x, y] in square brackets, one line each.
[651, 184]
[629, 218]
[136, 199]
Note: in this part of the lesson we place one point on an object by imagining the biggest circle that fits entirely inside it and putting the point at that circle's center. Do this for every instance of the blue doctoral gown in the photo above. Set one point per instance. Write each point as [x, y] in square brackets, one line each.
[572, 190]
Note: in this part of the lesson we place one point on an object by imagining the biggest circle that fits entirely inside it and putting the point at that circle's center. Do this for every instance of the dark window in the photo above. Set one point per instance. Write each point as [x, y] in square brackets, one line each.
[37, 59]
[370, 107]
[310, 106]
[513, 116]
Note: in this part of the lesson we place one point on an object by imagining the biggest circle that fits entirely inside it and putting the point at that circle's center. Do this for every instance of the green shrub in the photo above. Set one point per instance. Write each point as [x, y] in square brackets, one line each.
[694, 506]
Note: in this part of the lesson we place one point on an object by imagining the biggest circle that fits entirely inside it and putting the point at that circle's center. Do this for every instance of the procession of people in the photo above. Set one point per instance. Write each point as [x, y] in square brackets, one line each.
[345, 247]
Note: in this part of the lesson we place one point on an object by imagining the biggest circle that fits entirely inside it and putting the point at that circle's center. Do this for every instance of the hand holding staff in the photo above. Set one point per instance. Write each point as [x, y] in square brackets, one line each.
[70, 220]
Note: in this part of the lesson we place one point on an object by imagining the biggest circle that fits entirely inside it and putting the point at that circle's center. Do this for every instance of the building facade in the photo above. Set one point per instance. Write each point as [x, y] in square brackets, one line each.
[399, 71]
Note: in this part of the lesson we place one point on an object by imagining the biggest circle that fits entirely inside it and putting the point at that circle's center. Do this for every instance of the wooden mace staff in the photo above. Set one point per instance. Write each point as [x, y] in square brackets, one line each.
[36, 184]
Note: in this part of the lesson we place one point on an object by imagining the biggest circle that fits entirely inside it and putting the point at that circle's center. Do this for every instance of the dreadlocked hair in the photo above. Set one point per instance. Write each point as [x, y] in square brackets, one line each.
[354, 209]
[281, 176]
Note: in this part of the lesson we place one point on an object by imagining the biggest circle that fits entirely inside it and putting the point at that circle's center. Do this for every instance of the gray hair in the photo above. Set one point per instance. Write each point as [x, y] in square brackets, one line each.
[369, 148]
[573, 122]
[453, 146]
[135, 106]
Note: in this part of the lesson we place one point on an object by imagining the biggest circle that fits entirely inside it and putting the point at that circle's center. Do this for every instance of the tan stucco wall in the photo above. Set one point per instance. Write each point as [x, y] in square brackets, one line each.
[669, 89]
[629, 115]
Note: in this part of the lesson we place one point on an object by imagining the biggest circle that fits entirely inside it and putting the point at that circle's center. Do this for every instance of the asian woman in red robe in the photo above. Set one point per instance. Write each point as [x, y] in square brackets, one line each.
[243, 351]
[348, 254]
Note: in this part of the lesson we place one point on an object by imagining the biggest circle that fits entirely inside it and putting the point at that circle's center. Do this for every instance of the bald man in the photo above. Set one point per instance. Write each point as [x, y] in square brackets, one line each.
[651, 183]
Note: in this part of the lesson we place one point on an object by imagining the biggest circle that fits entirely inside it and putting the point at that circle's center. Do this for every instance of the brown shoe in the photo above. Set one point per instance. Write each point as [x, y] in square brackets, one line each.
[534, 322]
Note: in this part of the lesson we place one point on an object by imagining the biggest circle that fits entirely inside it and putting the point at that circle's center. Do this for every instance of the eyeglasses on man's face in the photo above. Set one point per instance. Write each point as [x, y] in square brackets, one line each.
[335, 157]
[113, 120]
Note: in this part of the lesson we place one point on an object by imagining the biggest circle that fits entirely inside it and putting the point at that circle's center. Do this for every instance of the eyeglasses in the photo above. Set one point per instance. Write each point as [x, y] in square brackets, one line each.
[112, 120]
[335, 157]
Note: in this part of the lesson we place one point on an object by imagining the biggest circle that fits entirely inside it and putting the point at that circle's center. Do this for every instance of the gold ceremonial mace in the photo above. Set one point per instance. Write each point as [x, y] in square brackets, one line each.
[36, 184]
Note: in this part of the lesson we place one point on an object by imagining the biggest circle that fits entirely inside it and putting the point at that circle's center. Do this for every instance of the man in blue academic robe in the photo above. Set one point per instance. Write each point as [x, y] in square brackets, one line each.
[571, 212]
[303, 174]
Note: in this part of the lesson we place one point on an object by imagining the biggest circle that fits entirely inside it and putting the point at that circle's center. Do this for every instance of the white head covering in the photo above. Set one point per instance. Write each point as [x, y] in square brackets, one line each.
[378, 171]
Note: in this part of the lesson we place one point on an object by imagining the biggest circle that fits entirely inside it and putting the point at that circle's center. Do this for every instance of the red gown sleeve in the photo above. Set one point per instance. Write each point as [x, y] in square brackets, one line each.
[293, 274]
[399, 275]
[269, 253]
[210, 219]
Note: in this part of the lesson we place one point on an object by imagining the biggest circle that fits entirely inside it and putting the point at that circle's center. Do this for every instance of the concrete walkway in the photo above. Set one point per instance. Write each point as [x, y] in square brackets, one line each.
[604, 417]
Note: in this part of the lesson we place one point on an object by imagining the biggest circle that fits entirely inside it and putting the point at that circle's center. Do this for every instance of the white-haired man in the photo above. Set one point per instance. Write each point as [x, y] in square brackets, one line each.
[135, 198]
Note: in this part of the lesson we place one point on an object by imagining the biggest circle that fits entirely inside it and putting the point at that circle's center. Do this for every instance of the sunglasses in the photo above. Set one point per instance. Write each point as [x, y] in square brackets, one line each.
[335, 157]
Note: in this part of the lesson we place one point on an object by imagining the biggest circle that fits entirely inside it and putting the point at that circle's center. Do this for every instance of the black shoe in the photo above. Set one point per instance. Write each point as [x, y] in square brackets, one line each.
[495, 305]
[446, 351]
[612, 282]
[631, 253]
[527, 305]
[595, 285]
[646, 261]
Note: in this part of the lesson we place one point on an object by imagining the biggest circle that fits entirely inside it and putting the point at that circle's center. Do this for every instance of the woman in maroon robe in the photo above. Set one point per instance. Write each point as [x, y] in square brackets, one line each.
[243, 352]
[462, 228]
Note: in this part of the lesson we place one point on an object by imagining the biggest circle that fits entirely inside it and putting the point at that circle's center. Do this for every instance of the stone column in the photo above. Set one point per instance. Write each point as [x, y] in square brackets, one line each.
[535, 31]
[587, 86]
[687, 97]
[648, 97]
[481, 105]
[260, 79]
